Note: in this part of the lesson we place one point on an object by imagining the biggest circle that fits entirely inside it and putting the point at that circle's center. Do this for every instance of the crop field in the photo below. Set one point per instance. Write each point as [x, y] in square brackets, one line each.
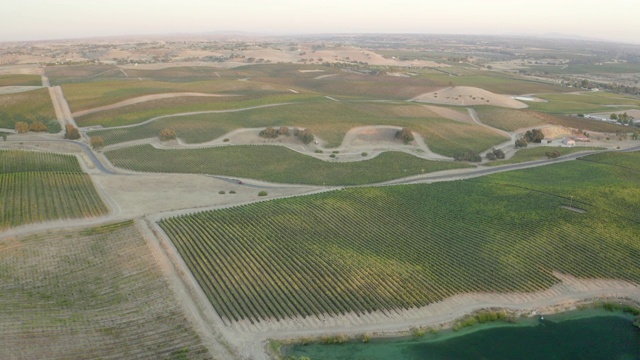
[507, 119]
[538, 153]
[25, 105]
[326, 119]
[274, 163]
[89, 294]
[366, 249]
[137, 113]
[59, 75]
[84, 96]
[621, 68]
[36, 187]
[20, 80]
[588, 102]
[630, 160]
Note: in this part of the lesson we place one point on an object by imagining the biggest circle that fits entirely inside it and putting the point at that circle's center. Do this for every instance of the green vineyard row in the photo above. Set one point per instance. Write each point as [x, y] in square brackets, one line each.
[384, 249]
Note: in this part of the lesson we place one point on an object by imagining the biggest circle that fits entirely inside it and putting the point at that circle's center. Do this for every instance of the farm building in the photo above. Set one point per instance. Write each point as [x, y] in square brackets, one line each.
[568, 142]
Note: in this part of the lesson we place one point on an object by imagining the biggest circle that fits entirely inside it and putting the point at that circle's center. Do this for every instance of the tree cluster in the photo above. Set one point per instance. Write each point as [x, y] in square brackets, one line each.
[552, 154]
[533, 136]
[405, 134]
[520, 143]
[624, 119]
[272, 133]
[467, 156]
[495, 154]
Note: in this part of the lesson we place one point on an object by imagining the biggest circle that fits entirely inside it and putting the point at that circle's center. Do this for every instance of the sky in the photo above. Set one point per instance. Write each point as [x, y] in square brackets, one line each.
[615, 20]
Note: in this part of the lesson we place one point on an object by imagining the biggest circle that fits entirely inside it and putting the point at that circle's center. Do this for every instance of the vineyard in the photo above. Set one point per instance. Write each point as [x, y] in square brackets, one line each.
[29, 105]
[36, 187]
[630, 160]
[326, 119]
[274, 163]
[90, 294]
[382, 249]
[507, 119]
[20, 80]
[539, 153]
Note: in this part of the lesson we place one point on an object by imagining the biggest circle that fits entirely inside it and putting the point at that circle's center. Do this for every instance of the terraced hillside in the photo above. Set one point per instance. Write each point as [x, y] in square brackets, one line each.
[368, 249]
[37, 186]
[89, 294]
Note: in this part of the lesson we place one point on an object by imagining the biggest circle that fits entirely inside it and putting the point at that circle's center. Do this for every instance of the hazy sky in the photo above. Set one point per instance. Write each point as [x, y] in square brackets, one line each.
[54, 19]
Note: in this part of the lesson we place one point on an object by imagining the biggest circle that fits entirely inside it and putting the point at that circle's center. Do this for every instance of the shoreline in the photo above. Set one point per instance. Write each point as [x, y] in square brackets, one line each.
[254, 341]
[513, 317]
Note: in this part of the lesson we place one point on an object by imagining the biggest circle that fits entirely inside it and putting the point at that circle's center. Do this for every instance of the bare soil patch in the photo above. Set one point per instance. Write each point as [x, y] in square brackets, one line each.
[468, 96]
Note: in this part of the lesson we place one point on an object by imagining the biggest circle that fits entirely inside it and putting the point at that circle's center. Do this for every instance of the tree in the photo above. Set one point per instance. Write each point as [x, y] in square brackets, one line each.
[467, 156]
[405, 134]
[552, 154]
[304, 135]
[22, 127]
[614, 117]
[520, 143]
[97, 142]
[167, 134]
[37, 126]
[71, 132]
[283, 131]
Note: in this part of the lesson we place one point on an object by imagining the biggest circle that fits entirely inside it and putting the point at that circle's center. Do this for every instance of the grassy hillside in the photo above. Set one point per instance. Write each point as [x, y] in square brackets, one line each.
[507, 119]
[539, 153]
[37, 187]
[369, 249]
[90, 294]
[275, 164]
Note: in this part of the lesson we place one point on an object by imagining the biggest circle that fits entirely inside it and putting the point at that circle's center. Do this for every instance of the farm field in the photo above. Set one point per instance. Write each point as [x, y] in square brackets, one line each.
[326, 119]
[59, 75]
[507, 119]
[622, 68]
[626, 160]
[539, 153]
[382, 249]
[274, 164]
[25, 106]
[587, 102]
[84, 96]
[137, 113]
[36, 187]
[95, 293]
[20, 80]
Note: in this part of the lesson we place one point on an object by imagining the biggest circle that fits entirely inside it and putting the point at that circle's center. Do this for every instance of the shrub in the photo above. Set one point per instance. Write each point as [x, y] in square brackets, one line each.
[467, 156]
[405, 134]
[71, 132]
[225, 140]
[332, 155]
[262, 193]
[269, 133]
[221, 192]
[490, 156]
[22, 127]
[97, 142]
[552, 154]
[304, 135]
[167, 134]
[520, 143]
[232, 192]
[318, 151]
[37, 126]
[53, 127]
[283, 131]
[364, 153]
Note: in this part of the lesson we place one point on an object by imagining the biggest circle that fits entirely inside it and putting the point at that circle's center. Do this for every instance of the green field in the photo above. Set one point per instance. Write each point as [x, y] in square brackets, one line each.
[587, 102]
[137, 113]
[368, 249]
[274, 163]
[20, 80]
[36, 187]
[630, 160]
[507, 119]
[84, 96]
[25, 106]
[539, 153]
[326, 119]
[621, 68]
[95, 293]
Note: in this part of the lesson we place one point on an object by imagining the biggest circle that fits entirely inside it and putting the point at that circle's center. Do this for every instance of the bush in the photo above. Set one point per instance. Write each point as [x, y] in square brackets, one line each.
[221, 192]
[490, 156]
[467, 156]
[521, 143]
[71, 132]
[552, 154]
[495, 154]
[97, 142]
[262, 193]
[364, 154]
[332, 155]
[232, 192]
[318, 151]
[53, 127]
[269, 133]
[283, 131]
[37, 126]
[225, 140]
[304, 135]
[167, 134]
[405, 134]
[22, 127]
